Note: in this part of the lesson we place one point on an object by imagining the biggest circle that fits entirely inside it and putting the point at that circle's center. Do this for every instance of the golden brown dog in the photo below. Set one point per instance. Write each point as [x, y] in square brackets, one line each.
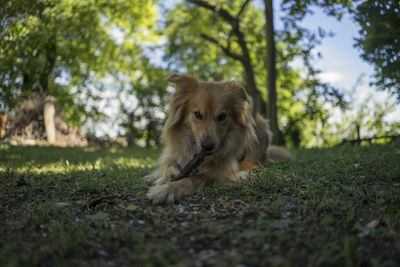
[215, 117]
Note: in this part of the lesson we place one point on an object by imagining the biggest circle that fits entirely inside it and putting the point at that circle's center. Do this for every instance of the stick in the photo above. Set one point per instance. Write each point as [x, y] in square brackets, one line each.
[192, 167]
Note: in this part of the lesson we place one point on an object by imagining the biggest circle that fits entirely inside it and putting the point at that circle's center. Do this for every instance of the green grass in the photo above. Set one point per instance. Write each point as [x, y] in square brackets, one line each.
[314, 211]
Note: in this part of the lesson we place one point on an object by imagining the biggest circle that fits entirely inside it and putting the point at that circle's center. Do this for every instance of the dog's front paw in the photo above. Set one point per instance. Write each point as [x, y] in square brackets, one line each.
[243, 174]
[161, 194]
[168, 175]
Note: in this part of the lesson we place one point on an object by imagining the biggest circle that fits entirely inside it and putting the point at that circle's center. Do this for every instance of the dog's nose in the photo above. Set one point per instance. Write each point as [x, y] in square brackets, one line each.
[207, 145]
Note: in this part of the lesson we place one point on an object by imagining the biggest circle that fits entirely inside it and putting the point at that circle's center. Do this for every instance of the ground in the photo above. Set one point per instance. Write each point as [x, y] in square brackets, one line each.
[87, 207]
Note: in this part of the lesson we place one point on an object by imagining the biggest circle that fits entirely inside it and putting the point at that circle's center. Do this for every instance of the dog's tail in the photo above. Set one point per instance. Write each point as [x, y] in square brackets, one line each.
[277, 154]
[263, 152]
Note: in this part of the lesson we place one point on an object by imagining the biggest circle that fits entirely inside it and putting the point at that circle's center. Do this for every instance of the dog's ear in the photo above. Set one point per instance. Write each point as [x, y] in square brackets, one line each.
[242, 110]
[185, 85]
[242, 103]
[242, 93]
[238, 92]
[183, 81]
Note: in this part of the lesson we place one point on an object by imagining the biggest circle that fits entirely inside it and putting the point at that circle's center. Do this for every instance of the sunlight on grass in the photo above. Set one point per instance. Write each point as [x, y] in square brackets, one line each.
[4, 147]
[58, 160]
[116, 150]
[136, 163]
[65, 166]
[90, 149]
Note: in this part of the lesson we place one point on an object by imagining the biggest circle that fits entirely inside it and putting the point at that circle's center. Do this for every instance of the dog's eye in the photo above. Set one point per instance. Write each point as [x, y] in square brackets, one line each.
[221, 117]
[198, 115]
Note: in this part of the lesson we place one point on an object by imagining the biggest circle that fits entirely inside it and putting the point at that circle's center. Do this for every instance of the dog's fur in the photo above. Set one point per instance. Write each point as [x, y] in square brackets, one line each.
[217, 113]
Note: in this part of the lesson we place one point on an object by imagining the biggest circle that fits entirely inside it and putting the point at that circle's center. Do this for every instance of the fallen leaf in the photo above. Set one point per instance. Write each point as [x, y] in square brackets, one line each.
[280, 224]
[61, 204]
[250, 234]
[372, 224]
[132, 207]
[392, 233]
[275, 261]
[98, 216]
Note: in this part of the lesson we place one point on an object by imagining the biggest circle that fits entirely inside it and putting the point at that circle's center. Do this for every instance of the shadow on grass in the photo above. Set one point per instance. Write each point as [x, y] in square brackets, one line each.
[330, 207]
[78, 218]
[74, 206]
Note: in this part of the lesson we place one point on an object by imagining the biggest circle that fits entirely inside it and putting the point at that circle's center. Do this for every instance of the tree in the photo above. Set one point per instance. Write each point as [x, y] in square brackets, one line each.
[244, 57]
[363, 117]
[60, 47]
[143, 119]
[300, 99]
[379, 41]
[271, 70]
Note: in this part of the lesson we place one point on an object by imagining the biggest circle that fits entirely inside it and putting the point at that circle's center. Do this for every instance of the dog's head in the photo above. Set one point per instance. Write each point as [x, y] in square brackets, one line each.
[213, 112]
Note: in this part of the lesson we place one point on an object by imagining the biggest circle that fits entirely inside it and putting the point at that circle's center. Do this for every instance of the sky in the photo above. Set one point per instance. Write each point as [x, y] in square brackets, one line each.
[341, 64]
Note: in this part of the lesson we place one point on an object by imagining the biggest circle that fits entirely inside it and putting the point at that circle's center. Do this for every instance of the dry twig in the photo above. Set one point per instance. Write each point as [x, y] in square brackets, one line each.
[193, 166]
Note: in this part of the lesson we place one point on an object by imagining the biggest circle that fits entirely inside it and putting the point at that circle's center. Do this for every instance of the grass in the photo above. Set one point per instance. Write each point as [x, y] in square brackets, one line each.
[86, 207]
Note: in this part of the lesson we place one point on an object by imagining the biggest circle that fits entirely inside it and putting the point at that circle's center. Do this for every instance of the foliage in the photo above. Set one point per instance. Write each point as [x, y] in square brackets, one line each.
[367, 113]
[298, 9]
[87, 206]
[11, 12]
[148, 86]
[81, 51]
[186, 51]
[379, 41]
[60, 47]
[378, 36]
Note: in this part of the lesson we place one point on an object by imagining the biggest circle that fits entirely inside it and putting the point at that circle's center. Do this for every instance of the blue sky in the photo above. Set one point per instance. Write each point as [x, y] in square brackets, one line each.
[341, 62]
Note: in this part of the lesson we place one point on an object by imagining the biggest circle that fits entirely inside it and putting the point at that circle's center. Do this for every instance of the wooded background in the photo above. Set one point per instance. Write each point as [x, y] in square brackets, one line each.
[64, 62]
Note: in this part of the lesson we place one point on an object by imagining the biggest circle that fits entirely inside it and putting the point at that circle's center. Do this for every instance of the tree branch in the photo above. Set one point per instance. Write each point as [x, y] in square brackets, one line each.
[226, 49]
[243, 8]
[244, 57]
[223, 13]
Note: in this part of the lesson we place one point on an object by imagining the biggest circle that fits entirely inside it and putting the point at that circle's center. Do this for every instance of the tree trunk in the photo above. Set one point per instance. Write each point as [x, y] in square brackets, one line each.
[271, 71]
[244, 58]
[3, 124]
[259, 104]
[49, 112]
[131, 130]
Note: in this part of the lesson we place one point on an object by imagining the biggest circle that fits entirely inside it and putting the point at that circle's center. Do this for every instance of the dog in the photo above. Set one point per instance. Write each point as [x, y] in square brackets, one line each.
[215, 117]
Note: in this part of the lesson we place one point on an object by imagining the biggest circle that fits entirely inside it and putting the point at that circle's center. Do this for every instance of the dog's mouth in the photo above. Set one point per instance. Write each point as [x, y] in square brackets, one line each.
[209, 153]
[198, 147]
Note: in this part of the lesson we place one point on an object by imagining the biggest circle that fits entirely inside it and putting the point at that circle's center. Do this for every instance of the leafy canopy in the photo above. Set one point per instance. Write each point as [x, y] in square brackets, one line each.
[379, 41]
[62, 47]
